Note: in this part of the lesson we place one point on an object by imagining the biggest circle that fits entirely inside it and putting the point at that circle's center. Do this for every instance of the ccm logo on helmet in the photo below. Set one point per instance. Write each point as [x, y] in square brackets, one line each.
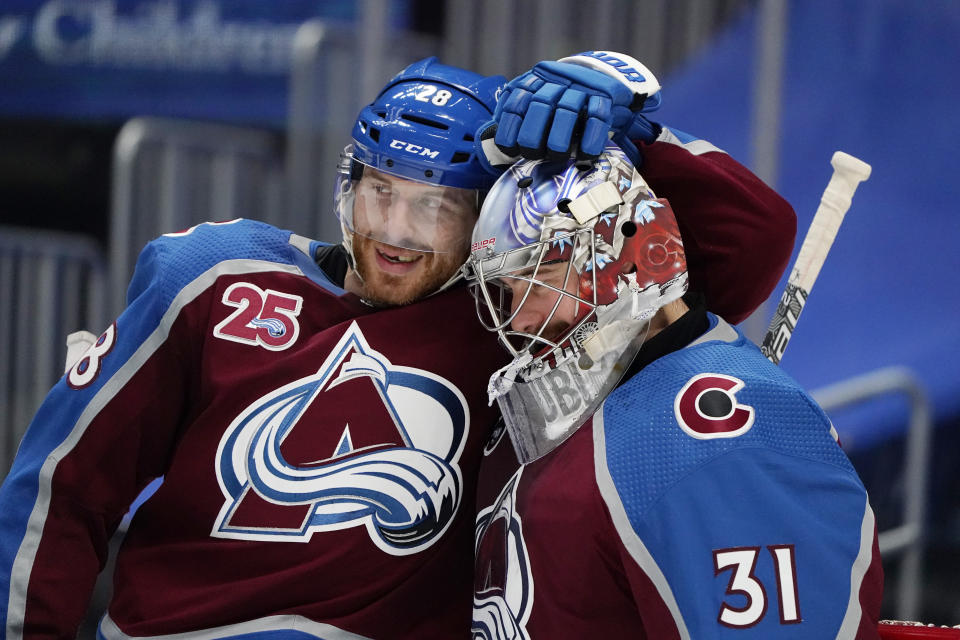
[409, 147]
[707, 407]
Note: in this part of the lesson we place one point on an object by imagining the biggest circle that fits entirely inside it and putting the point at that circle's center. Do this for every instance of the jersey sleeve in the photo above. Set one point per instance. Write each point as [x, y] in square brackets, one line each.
[100, 436]
[738, 232]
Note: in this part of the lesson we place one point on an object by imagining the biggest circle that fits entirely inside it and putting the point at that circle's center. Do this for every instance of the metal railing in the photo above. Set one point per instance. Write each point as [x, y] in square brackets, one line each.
[170, 174]
[908, 538]
[51, 284]
[506, 37]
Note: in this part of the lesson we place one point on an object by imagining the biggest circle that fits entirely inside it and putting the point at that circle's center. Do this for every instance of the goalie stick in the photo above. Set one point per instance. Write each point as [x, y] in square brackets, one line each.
[848, 172]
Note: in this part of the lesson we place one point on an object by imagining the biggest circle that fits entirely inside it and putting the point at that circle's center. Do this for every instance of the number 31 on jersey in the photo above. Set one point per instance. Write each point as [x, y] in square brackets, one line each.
[746, 602]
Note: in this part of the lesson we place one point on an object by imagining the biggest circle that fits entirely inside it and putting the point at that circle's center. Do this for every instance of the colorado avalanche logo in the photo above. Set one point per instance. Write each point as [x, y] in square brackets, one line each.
[394, 470]
[707, 407]
[503, 591]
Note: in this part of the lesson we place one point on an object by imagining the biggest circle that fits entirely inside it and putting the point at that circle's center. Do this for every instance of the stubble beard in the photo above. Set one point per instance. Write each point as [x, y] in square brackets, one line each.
[389, 290]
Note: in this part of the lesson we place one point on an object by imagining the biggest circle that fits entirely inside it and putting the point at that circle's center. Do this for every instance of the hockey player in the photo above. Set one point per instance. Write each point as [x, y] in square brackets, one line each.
[676, 484]
[317, 411]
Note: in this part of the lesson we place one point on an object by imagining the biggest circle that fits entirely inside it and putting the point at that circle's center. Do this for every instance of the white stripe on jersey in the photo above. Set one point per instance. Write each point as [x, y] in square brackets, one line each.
[628, 537]
[281, 624]
[721, 331]
[695, 147]
[851, 620]
[23, 564]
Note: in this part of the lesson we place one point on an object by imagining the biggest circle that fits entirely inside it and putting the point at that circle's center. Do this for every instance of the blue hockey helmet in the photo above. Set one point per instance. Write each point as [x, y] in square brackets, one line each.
[411, 178]
[422, 125]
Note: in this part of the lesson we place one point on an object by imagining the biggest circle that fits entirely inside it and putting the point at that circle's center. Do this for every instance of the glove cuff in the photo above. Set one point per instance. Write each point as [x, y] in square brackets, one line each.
[629, 71]
[640, 128]
[491, 158]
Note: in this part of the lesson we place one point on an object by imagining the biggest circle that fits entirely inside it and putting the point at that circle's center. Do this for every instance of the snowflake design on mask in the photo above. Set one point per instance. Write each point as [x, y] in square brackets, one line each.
[601, 260]
[562, 241]
[608, 217]
[643, 211]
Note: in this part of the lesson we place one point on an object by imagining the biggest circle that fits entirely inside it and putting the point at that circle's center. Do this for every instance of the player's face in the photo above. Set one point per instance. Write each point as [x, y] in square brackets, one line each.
[410, 237]
[535, 310]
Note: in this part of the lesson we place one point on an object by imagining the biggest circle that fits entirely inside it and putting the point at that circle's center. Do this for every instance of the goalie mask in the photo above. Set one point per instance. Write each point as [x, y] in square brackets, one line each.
[568, 265]
[411, 177]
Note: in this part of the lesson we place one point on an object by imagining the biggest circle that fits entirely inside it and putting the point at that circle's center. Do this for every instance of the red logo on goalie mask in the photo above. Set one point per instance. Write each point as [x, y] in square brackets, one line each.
[707, 407]
[482, 244]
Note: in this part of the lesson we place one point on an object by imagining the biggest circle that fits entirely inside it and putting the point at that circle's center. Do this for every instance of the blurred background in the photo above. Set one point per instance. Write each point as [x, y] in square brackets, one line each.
[124, 119]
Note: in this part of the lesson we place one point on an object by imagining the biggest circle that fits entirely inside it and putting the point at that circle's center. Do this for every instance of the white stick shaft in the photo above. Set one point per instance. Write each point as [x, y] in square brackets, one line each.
[848, 172]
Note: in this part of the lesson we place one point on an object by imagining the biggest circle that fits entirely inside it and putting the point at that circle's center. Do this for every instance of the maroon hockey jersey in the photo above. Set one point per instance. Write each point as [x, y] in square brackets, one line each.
[318, 455]
[671, 517]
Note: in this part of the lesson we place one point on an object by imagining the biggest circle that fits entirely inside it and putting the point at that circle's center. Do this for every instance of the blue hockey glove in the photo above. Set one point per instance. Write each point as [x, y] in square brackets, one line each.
[572, 106]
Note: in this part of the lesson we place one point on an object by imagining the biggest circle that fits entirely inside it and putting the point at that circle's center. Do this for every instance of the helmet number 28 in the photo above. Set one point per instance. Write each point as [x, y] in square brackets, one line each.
[430, 93]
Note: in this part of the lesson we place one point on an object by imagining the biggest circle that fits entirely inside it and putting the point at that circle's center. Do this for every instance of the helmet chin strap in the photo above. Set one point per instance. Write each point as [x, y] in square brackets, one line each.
[352, 270]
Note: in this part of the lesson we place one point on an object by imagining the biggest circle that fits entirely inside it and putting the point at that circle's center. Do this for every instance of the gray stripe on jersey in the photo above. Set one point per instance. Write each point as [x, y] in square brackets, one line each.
[22, 565]
[302, 243]
[851, 620]
[110, 631]
[723, 332]
[695, 147]
[631, 541]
